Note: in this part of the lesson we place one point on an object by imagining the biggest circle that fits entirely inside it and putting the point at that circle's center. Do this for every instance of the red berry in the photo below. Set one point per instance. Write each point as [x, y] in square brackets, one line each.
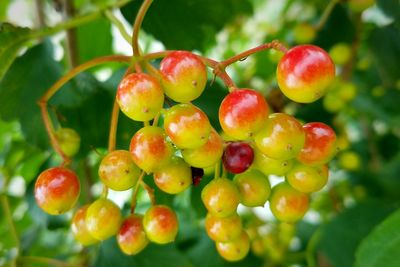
[140, 96]
[304, 73]
[57, 190]
[320, 145]
[131, 236]
[238, 157]
[242, 113]
[184, 76]
[197, 175]
[161, 224]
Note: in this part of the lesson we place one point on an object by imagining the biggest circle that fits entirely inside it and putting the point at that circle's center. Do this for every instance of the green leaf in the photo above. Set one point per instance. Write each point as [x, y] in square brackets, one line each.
[12, 39]
[381, 246]
[26, 81]
[99, 30]
[154, 255]
[384, 44]
[341, 236]
[188, 24]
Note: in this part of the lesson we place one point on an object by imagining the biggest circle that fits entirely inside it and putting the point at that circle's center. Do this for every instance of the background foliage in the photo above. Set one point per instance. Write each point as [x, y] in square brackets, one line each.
[353, 222]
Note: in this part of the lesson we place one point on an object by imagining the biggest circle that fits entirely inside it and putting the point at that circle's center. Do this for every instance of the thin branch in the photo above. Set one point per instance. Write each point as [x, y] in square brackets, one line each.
[13, 230]
[324, 17]
[136, 27]
[71, 37]
[117, 23]
[135, 191]
[48, 261]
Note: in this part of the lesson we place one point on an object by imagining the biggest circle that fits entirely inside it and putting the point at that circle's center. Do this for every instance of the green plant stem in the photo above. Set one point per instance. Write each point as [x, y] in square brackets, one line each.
[217, 170]
[150, 192]
[117, 23]
[310, 249]
[136, 27]
[324, 17]
[8, 216]
[74, 22]
[135, 191]
[48, 261]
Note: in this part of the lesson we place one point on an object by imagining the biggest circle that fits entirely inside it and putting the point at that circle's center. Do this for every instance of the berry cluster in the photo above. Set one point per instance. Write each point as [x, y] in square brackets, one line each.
[255, 143]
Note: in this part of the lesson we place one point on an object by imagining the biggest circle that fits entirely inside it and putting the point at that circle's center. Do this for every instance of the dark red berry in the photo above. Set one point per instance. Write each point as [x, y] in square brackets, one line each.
[197, 174]
[238, 157]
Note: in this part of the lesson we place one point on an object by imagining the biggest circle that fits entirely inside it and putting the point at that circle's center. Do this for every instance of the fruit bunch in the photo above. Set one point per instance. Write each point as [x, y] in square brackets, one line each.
[254, 143]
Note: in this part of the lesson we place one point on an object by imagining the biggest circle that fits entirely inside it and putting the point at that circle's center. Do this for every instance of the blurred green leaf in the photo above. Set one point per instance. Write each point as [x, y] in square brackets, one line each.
[381, 246]
[154, 255]
[188, 24]
[99, 30]
[12, 39]
[341, 236]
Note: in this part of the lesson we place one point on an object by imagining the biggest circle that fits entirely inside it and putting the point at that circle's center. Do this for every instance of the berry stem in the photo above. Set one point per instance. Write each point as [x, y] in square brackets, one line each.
[7, 214]
[324, 17]
[150, 192]
[275, 44]
[117, 23]
[58, 85]
[136, 27]
[135, 191]
[217, 170]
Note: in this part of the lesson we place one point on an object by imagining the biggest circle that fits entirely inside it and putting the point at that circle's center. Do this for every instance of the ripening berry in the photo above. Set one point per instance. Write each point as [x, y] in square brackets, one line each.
[140, 96]
[287, 204]
[254, 188]
[320, 145]
[269, 165]
[304, 33]
[242, 113]
[282, 137]
[208, 154]
[333, 103]
[221, 197]
[349, 160]
[69, 141]
[79, 229]
[150, 150]
[223, 229]
[359, 6]
[175, 177]
[131, 237]
[161, 224]
[340, 53]
[347, 91]
[118, 171]
[187, 126]
[304, 73]
[103, 219]
[57, 190]
[237, 157]
[307, 179]
[236, 249]
[184, 76]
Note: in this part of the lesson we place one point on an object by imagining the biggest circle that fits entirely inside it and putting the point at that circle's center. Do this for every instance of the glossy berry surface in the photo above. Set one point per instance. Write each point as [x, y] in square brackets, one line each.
[320, 145]
[175, 177]
[307, 179]
[269, 165]
[208, 154]
[242, 113]
[118, 171]
[161, 224]
[223, 229]
[79, 229]
[131, 236]
[304, 73]
[254, 188]
[221, 197]
[57, 190]
[238, 157]
[149, 148]
[103, 219]
[184, 76]
[287, 204]
[140, 96]
[282, 137]
[187, 126]
[236, 249]
[197, 175]
[69, 141]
